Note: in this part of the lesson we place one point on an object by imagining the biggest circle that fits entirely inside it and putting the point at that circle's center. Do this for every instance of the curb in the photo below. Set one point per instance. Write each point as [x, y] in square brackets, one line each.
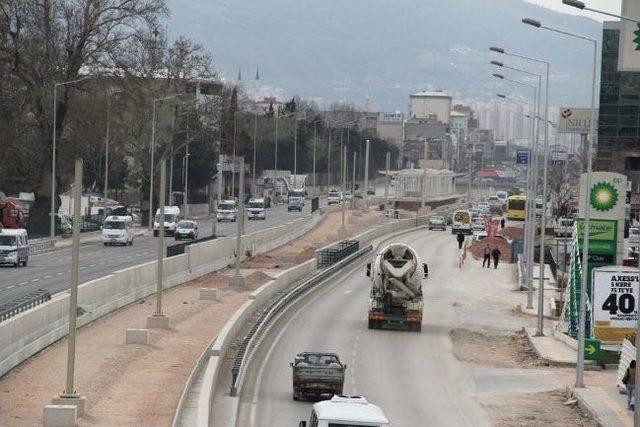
[551, 361]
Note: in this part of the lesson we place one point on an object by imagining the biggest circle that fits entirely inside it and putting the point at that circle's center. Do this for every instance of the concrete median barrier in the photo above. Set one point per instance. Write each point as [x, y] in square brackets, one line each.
[31, 331]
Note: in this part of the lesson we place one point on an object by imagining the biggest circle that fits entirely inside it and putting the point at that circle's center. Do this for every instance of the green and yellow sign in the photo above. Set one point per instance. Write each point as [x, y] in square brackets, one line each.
[602, 235]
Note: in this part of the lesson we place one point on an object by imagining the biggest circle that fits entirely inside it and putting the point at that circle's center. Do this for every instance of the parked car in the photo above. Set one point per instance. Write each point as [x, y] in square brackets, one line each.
[371, 190]
[186, 229]
[437, 222]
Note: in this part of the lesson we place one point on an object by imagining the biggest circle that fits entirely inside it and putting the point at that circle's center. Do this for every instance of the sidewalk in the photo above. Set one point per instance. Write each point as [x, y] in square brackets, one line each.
[600, 398]
[140, 385]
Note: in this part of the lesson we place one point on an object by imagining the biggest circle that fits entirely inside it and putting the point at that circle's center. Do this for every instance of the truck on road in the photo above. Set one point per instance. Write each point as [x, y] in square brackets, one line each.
[396, 300]
[461, 222]
[317, 374]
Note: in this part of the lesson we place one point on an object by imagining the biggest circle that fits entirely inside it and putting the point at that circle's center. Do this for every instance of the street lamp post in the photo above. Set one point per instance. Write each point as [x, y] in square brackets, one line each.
[53, 153]
[531, 187]
[153, 149]
[540, 323]
[587, 210]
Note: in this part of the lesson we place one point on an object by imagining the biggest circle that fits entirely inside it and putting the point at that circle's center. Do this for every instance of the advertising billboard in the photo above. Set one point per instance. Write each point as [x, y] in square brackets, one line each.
[576, 120]
[615, 299]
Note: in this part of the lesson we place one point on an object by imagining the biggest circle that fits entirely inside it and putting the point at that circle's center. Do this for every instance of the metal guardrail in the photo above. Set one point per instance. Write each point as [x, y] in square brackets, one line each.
[249, 343]
[179, 248]
[23, 303]
[330, 256]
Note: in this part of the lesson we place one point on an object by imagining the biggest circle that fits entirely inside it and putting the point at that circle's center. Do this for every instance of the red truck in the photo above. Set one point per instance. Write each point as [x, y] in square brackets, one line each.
[11, 215]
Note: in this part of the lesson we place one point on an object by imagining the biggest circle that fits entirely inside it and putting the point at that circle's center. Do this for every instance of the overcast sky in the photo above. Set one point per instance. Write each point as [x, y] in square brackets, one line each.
[612, 6]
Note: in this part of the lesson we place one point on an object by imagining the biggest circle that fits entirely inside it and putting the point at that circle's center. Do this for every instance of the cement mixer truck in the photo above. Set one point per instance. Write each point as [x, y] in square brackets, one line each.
[395, 300]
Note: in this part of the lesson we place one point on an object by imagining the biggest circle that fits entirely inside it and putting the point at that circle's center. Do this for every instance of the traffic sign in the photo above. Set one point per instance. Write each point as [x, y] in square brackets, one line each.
[522, 157]
[591, 349]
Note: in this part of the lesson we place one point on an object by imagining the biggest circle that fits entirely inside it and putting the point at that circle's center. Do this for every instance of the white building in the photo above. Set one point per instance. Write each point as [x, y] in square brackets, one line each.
[426, 104]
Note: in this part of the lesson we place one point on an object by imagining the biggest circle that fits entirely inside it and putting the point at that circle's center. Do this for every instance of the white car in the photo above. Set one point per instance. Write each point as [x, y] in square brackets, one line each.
[186, 229]
[226, 211]
[437, 222]
[334, 197]
[256, 209]
[346, 411]
[477, 224]
[117, 230]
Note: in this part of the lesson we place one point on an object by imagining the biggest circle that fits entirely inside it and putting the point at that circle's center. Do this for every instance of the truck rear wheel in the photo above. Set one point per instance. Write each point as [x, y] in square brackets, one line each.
[374, 324]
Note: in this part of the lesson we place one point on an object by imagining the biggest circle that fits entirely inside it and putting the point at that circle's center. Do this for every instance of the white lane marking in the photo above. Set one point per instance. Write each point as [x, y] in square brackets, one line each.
[59, 273]
[47, 277]
[35, 280]
[23, 283]
[10, 287]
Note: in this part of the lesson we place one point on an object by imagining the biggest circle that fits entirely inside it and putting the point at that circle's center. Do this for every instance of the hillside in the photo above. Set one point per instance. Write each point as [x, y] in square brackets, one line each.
[333, 50]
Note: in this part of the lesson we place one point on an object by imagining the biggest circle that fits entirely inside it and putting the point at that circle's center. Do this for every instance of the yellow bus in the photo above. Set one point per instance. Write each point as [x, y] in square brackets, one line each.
[516, 207]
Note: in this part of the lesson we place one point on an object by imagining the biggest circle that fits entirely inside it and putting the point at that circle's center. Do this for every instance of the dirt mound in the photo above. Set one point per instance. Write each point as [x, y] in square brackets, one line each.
[513, 232]
[477, 248]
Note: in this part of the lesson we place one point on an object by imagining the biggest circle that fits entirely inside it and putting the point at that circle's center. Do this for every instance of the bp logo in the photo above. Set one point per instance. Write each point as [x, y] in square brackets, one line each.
[604, 196]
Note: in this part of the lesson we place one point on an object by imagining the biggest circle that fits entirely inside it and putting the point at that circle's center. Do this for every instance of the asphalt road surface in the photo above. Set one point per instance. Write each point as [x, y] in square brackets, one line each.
[414, 377]
[52, 271]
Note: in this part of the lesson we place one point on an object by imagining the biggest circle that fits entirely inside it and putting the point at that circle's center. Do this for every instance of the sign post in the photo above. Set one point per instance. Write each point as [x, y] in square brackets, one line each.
[522, 157]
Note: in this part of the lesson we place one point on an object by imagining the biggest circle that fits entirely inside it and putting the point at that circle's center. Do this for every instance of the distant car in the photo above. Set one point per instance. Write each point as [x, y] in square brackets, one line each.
[449, 219]
[371, 190]
[226, 210]
[256, 209]
[437, 222]
[334, 197]
[474, 212]
[477, 224]
[186, 229]
[483, 205]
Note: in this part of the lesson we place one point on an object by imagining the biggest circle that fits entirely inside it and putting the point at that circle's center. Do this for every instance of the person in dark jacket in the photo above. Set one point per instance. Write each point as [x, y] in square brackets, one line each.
[487, 257]
[495, 253]
[629, 380]
[460, 239]
[502, 223]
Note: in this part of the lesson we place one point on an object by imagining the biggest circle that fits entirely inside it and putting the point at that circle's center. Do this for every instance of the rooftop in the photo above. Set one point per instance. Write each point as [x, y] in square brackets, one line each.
[428, 94]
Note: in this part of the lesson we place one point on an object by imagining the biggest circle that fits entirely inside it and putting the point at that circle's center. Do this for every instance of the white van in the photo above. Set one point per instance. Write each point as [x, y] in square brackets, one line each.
[171, 218]
[14, 246]
[226, 210]
[256, 209]
[346, 411]
[117, 230]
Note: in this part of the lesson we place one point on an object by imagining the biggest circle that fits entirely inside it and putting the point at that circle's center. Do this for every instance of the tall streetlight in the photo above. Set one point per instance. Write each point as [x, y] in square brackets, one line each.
[153, 149]
[540, 328]
[532, 178]
[580, 5]
[587, 208]
[531, 191]
[53, 152]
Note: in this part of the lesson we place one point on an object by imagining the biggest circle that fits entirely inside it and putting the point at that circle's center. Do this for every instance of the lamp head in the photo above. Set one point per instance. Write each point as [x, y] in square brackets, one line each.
[499, 76]
[497, 63]
[496, 49]
[532, 22]
[574, 3]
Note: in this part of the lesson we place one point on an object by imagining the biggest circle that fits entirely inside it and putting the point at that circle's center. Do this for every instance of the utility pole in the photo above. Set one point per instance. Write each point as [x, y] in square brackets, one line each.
[315, 189]
[106, 148]
[424, 176]
[329, 161]
[70, 396]
[237, 279]
[158, 319]
[186, 180]
[366, 177]
[353, 181]
[344, 186]
[386, 188]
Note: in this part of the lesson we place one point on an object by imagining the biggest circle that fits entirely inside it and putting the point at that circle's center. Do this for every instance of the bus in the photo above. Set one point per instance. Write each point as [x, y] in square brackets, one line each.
[516, 207]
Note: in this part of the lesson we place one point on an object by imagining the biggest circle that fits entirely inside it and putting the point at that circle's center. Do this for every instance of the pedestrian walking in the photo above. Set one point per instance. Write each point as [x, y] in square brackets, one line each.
[487, 257]
[502, 223]
[495, 253]
[460, 239]
[629, 380]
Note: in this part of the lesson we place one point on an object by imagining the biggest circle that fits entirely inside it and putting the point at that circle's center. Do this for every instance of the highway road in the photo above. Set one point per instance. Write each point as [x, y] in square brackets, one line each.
[414, 377]
[52, 270]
